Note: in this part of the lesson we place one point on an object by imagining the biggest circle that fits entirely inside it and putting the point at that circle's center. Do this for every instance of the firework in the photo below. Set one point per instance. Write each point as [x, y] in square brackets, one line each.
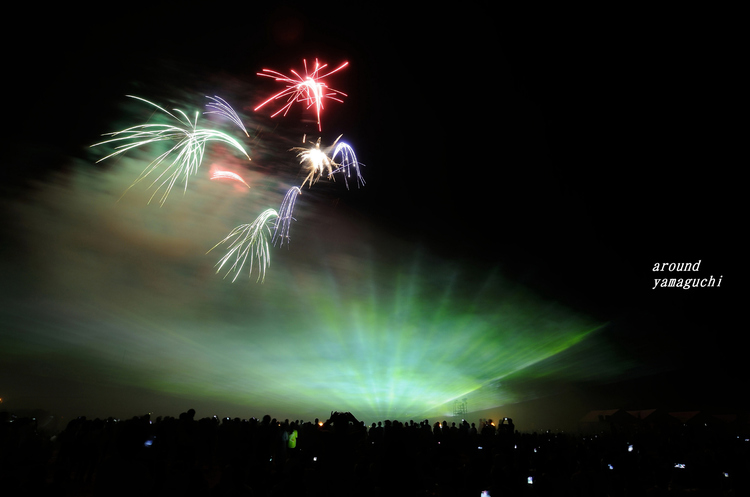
[284, 221]
[222, 108]
[188, 150]
[348, 162]
[249, 240]
[309, 90]
[219, 174]
[315, 161]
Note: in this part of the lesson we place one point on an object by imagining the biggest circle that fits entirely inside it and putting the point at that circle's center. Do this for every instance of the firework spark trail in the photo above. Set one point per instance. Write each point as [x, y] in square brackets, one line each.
[228, 175]
[284, 221]
[222, 108]
[348, 161]
[189, 149]
[308, 89]
[249, 240]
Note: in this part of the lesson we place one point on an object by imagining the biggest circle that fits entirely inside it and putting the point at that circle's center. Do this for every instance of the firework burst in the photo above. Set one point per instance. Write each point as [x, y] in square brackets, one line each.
[187, 152]
[249, 240]
[347, 163]
[221, 107]
[219, 174]
[315, 161]
[284, 221]
[308, 89]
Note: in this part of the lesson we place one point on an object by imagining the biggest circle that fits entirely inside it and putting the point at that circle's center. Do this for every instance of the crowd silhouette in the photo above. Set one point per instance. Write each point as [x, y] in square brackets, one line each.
[342, 456]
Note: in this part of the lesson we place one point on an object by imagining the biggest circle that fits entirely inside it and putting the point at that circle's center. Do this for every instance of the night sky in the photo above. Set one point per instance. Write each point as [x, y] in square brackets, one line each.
[524, 173]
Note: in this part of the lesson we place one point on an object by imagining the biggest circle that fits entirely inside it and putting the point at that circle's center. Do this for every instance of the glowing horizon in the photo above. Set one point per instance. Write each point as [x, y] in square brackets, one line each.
[378, 354]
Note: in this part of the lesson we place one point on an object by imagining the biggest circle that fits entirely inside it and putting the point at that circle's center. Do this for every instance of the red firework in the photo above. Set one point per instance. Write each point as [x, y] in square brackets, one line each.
[309, 89]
